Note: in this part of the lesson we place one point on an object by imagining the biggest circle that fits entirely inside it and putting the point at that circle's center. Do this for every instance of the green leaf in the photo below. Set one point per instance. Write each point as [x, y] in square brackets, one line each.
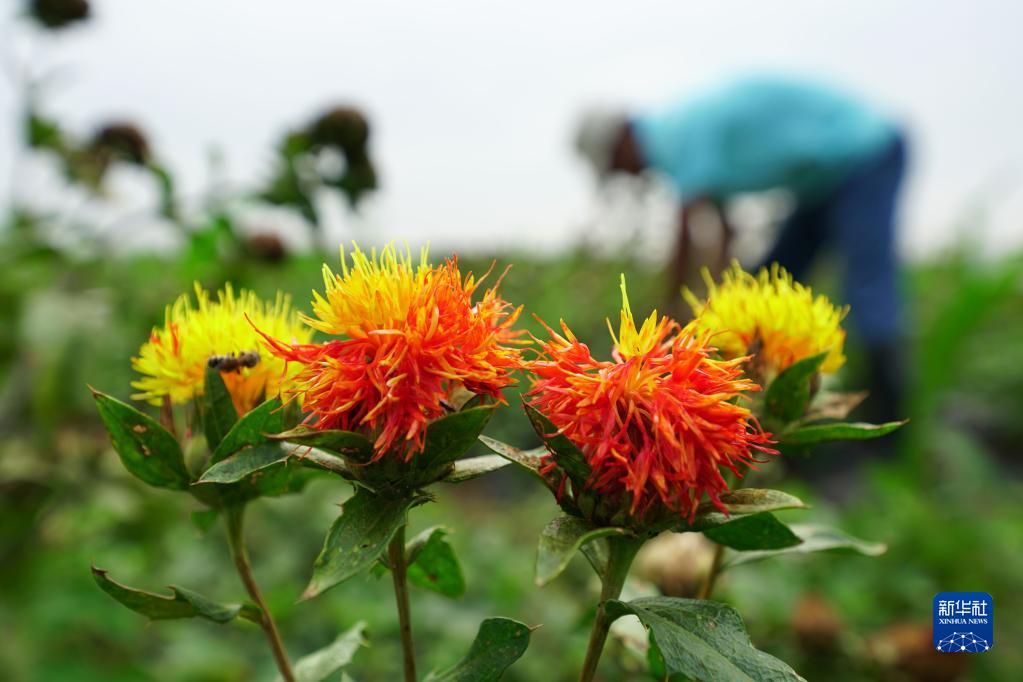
[355, 540]
[703, 640]
[279, 479]
[499, 643]
[433, 563]
[814, 539]
[242, 464]
[748, 525]
[148, 450]
[530, 460]
[451, 436]
[750, 501]
[218, 413]
[348, 444]
[327, 661]
[181, 604]
[322, 460]
[251, 429]
[788, 396]
[753, 531]
[565, 453]
[562, 537]
[821, 433]
[473, 467]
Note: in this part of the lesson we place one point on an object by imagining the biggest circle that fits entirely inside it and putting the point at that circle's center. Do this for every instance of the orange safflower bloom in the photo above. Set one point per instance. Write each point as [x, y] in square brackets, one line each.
[659, 422]
[410, 337]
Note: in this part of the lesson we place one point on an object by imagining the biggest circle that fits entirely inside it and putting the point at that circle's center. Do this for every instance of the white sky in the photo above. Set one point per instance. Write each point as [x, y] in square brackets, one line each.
[473, 103]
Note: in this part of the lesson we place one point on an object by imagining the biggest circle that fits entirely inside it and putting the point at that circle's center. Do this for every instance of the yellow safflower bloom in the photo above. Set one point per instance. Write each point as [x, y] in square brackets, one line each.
[173, 362]
[771, 316]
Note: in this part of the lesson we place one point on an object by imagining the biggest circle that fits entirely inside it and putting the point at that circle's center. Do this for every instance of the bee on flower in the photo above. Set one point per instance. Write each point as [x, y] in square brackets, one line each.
[771, 317]
[217, 332]
[407, 337]
[659, 424]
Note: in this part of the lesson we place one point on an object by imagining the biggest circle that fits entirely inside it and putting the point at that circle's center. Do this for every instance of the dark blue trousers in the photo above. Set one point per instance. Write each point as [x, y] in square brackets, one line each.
[856, 220]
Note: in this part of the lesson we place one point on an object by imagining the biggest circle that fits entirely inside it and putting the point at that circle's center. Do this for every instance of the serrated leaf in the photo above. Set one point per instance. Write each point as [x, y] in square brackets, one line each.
[750, 501]
[357, 538]
[703, 640]
[241, 465]
[432, 563]
[474, 467]
[218, 411]
[814, 539]
[348, 444]
[451, 436]
[788, 396]
[148, 450]
[327, 661]
[564, 452]
[821, 433]
[265, 418]
[278, 479]
[562, 537]
[753, 531]
[320, 459]
[499, 643]
[181, 603]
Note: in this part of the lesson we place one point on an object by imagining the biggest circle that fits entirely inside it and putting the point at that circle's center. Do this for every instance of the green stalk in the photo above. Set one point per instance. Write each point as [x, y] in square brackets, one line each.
[399, 572]
[622, 552]
[712, 574]
[236, 541]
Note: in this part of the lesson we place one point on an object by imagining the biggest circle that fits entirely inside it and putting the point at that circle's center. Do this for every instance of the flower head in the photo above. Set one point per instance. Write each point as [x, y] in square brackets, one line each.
[657, 423]
[173, 362]
[771, 316]
[409, 337]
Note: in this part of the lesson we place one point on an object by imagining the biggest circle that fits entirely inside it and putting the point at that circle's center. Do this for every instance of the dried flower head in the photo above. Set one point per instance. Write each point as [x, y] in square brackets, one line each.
[770, 316]
[410, 336]
[173, 362]
[659, 422]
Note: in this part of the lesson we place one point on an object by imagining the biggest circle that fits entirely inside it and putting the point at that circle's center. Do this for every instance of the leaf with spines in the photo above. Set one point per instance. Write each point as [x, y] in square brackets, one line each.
[148, 451]
[218, 412]
[474, 467]
[181, 603]
[433, 565]
[251, 429]
[560, 540]
[348, 444]
[748, 523]
[357, 538]
[753, 532]
[814, 539]
[450, 437]
[703, 640]
[805, 436]
[498, 644]
[788, 397]
[244, 463]
[564, 452]
[530, 460]
[325, 662]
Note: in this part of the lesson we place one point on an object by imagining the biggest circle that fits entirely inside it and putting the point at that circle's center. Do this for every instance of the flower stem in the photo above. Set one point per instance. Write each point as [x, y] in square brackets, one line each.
[399, 572]
[712, 574]
[622, 552]
[236, 541]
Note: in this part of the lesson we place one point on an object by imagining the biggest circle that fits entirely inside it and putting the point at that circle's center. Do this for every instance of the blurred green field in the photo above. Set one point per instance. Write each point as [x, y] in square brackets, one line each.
[948, 504]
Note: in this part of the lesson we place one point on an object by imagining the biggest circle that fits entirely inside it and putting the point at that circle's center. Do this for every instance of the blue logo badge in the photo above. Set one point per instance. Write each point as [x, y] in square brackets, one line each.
[964, 622]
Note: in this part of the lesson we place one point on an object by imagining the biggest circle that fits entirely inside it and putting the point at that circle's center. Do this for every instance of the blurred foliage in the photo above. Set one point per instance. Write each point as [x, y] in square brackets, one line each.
[948, 507]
